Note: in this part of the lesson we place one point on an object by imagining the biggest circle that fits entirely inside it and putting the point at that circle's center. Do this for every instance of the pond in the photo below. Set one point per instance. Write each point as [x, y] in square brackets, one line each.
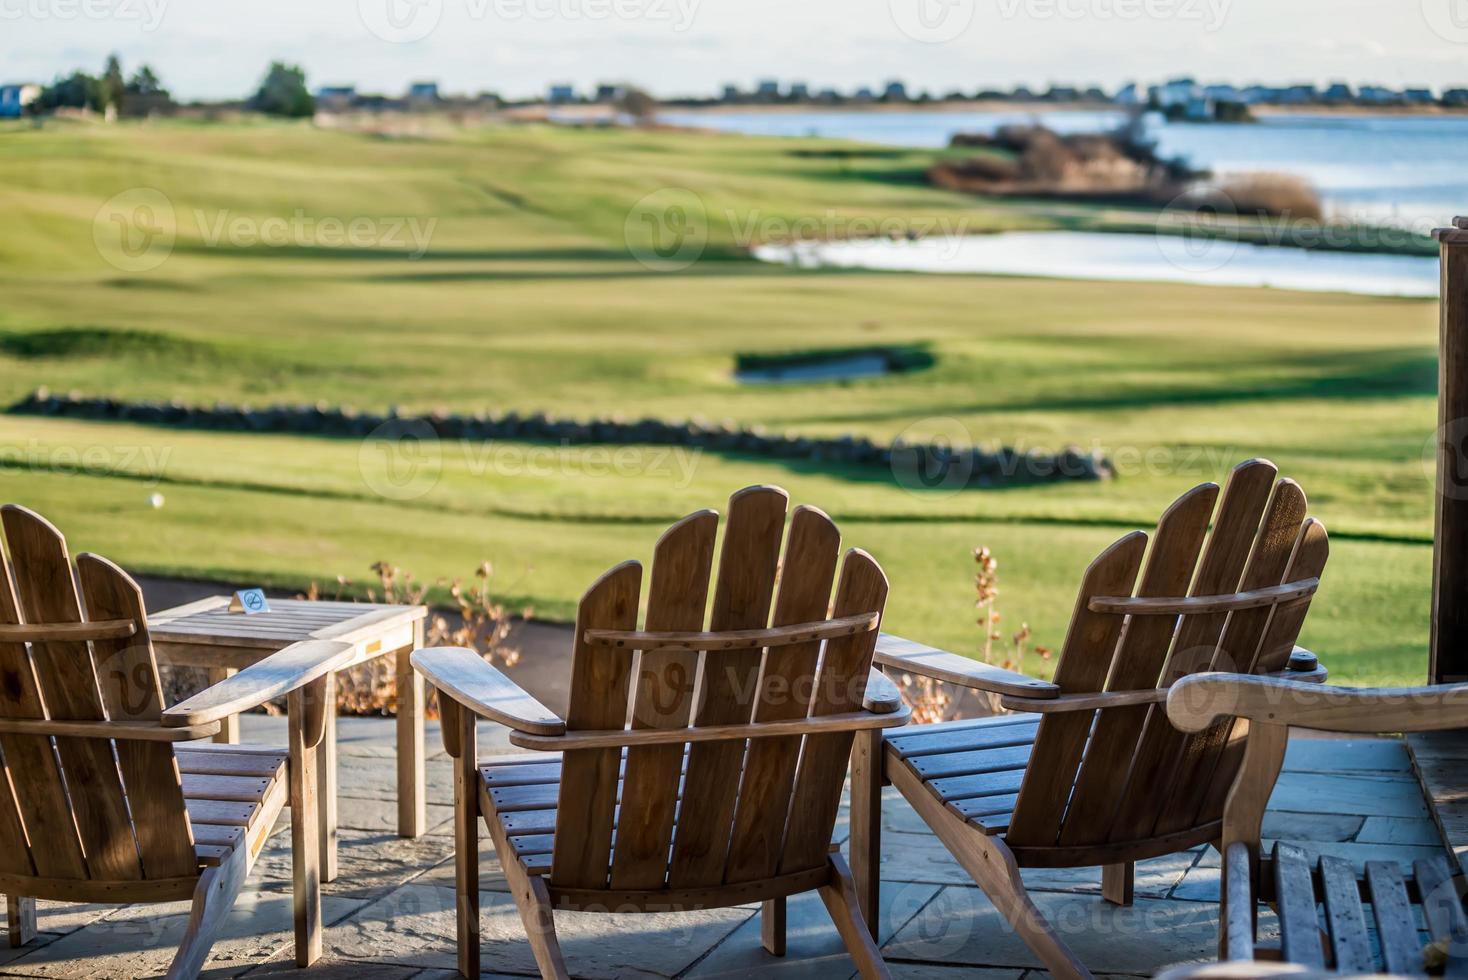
[1137, 257]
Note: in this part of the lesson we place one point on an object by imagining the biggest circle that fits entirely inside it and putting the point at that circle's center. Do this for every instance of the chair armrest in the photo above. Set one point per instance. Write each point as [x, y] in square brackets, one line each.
[280, 673]
[898, 654]
[882, 696]
[1200, 701]
[466, 677]
[1085, 702]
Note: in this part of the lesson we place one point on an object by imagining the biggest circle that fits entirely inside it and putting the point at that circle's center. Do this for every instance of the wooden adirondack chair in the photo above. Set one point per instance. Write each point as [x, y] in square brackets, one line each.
[1287, 878]
[1088, 771]
[100, 802]
[760, 739]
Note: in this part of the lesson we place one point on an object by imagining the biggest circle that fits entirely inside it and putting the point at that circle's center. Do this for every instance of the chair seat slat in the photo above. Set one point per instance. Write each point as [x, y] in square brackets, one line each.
[1391, 907]
[1344, 916]
[1294, 890]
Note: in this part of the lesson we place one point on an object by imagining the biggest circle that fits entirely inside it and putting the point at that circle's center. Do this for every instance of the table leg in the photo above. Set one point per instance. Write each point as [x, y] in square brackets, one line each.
[412, 785]
[229, 728]
[326, 785]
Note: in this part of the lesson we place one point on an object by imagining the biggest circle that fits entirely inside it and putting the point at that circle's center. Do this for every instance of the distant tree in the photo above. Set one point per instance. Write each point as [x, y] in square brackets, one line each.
[113, 86]
[284, 92]
[145, 82]
[637, 103]
[75, 91]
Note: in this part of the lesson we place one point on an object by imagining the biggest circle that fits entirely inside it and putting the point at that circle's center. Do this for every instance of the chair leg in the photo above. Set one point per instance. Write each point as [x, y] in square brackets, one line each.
[772, 926]
[20, 914]
[866, 824]
[213, 898]
[993, 868]
[1118, 882]
[533, 901]
[845, 908]
[304, 740]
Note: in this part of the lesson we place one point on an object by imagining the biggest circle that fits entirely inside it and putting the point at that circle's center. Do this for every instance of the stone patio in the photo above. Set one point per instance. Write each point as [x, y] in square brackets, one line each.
[390, 914]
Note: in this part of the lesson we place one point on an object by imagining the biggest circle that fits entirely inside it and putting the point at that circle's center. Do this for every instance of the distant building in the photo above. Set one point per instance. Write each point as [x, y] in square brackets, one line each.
[1379, 95]
[14, 99]
[799, 90]
[1178, 92]
[1128, 94]
[1200, 108]
[561, 94]
[1022, 93]
[610, 93]
[1222, 93]
[1419, 96]
[732, 93]
[1339, 92]
[767, 88]
[864, 94]
[336, 98]
[422, 95]
[894, 91]
[1096, 94]
[1456, 97]
[828, 95]
[1062, 93]
[1299, 95]
[1261, 95]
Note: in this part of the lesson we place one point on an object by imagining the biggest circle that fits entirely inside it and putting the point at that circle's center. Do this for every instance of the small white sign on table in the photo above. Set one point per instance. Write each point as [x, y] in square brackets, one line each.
[249, 602]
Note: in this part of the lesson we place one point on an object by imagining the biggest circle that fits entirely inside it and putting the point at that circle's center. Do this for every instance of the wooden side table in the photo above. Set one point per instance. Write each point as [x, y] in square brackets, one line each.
[206, 634]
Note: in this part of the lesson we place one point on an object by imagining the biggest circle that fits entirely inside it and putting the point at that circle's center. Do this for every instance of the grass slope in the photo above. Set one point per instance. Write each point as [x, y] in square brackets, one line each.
[528, 298]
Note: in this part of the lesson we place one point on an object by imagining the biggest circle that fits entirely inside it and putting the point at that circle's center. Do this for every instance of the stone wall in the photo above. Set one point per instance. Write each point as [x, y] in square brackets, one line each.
[914, 465]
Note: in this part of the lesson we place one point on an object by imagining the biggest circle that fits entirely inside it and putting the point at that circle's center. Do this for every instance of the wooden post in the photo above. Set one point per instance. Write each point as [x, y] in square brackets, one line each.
[1448, 662]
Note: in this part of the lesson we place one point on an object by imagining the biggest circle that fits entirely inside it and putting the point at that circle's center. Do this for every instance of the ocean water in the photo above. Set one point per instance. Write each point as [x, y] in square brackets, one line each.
[1405, 171]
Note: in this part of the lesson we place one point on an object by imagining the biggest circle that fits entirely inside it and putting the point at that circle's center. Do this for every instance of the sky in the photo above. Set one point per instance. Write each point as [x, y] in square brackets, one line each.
[219, 49]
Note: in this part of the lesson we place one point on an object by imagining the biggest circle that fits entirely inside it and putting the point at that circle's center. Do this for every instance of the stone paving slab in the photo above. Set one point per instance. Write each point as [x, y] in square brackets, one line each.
[961, 927]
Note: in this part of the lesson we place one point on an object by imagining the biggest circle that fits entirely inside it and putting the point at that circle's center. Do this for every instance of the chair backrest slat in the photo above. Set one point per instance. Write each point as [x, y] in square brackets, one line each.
[31, 794]
[1245, 496]
[1085, 658]
[1138, 663]
[46, 592]
[131, 691]
[747, 567]
[682, 564]
[1308, 561]
[587, 805]
[1237, 650]
[839, 687]
[786, 686]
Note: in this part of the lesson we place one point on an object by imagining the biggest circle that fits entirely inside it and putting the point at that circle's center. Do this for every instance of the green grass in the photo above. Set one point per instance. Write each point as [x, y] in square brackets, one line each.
[528, 299]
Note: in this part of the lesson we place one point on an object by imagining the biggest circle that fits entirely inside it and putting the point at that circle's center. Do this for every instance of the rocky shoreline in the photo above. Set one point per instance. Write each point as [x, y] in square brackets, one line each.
[917, 466]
